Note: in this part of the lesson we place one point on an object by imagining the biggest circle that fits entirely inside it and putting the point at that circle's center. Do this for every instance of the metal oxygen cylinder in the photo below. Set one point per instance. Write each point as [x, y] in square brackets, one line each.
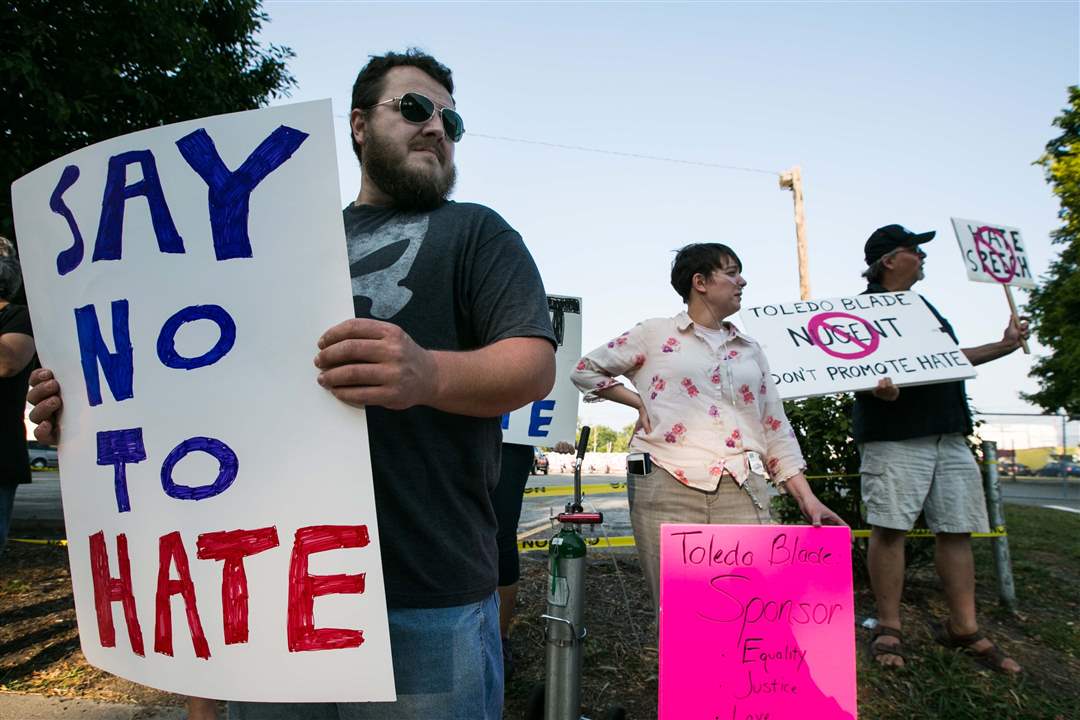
[565, 627]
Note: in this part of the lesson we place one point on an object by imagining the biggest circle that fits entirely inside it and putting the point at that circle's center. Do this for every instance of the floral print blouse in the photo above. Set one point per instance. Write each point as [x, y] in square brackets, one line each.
[708, 408]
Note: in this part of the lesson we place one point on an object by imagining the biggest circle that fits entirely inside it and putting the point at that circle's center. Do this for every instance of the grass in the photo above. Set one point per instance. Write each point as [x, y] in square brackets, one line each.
[1042, 636]
[39, 646]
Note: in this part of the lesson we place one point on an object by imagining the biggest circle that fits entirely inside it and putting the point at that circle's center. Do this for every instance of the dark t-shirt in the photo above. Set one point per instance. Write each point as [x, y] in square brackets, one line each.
[919, 411]
[456, 278]
[14, 460]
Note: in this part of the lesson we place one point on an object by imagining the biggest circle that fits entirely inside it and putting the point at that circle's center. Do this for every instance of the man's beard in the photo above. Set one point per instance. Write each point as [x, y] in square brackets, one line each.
[410, 189]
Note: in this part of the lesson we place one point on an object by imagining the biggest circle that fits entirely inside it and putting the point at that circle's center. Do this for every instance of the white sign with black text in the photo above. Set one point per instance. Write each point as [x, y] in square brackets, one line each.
[819, 347]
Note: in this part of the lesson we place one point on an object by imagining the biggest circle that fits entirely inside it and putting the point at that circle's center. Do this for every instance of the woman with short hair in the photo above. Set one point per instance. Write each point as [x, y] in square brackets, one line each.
[709, 415]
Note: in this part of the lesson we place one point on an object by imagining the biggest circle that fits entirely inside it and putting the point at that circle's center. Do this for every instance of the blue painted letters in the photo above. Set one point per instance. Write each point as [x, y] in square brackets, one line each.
[69, 259]
[118, 448]
[226, 458]
[166, 344]
[538, 422]
[230, 192]
[118, 192]
[118, 366]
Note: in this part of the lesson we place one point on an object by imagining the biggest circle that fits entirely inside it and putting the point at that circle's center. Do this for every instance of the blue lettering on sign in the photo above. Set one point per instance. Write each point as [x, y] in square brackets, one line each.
[166, 344]
[230, 192]
[227, 460]
[118, 366]
[537, 421]
[118, 448]
[69, 259]
[118, 192]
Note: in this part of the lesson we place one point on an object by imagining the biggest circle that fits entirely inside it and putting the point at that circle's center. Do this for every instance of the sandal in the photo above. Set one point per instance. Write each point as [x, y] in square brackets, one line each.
[991, 656]
[876, 649]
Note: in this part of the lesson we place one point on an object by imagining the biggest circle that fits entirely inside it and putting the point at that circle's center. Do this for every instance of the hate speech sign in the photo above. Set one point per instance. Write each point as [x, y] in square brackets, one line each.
[993, 253]
[818, 347]
[756, 621]
[219, 504]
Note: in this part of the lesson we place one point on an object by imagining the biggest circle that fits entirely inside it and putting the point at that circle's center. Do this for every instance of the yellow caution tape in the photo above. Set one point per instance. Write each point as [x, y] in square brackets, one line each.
[592, 541]
[567, 490]
[617, 487]
[628, 541]
[32, 541]
[924, 533]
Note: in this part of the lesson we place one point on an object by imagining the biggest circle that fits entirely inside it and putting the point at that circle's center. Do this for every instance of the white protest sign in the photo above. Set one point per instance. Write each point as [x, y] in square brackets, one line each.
[553, 419]
[218, 503]
[993, 253]
[818, 347]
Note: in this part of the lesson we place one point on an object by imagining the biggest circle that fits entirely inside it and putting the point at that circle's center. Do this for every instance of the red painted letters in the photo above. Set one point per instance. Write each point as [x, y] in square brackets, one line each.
[304, 587]
[108, 590]
[232, 547]
[171, 551]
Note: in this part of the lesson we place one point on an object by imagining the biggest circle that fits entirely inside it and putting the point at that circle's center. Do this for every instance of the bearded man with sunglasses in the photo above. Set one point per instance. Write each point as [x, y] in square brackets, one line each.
[915, 460]
[451, 331]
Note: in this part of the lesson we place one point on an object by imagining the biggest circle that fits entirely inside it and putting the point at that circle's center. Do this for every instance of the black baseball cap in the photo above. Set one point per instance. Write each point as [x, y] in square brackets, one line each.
[886, 239]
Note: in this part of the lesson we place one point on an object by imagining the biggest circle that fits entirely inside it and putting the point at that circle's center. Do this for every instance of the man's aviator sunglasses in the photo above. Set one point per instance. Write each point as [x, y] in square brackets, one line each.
[416, 108]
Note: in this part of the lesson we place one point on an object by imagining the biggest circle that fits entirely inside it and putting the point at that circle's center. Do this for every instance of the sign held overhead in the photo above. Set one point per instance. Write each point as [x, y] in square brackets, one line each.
[993, 253]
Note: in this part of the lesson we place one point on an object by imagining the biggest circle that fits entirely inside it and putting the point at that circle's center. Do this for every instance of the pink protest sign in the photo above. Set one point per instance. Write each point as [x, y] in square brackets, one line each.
[757, 622]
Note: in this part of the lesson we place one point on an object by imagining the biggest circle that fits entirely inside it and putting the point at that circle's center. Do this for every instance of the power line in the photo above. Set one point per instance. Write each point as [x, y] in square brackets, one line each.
[618, 153]
[639, 156]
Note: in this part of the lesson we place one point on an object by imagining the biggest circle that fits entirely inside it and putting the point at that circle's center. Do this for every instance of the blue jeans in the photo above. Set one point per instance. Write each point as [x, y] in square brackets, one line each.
[7, 504]
[447, 666]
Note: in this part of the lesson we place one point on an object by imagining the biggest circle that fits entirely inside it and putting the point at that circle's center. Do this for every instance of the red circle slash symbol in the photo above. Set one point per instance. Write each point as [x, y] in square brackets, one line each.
[865, 347]
[983, 245]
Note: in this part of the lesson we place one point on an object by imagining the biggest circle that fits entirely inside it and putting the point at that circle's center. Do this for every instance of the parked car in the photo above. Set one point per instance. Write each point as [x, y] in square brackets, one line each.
[1059, 468]
[1013, 468]
[41, 456]
[540, 462]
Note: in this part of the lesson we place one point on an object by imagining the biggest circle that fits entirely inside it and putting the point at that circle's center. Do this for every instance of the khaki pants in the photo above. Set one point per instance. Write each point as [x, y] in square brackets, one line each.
[659, 498]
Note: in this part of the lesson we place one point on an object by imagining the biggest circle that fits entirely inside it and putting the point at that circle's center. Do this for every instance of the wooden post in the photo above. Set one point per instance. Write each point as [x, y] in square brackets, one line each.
[1016, 316]
[792, 179]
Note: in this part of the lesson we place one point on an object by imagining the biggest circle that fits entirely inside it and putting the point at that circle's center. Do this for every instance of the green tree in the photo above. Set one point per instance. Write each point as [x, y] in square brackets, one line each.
[823, 428]
[1055, 306]
[604, 437]
[74, 73]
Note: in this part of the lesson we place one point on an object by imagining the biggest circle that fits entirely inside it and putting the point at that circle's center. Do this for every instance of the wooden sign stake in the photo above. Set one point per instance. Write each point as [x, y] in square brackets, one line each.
[1016, 316]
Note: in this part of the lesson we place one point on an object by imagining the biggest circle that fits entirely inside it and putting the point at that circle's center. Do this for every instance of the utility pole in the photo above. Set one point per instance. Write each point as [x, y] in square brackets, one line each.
[1064, 428]
[792, 180]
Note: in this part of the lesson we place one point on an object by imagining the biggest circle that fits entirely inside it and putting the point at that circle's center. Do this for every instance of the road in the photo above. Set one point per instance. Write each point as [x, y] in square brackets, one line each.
[38, 506]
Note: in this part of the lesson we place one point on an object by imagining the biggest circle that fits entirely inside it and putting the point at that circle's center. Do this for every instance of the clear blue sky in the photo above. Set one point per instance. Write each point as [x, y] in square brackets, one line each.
[897, 112]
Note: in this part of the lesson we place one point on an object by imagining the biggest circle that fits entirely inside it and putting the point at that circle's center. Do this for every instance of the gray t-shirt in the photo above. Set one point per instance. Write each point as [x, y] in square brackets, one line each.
[457, 278]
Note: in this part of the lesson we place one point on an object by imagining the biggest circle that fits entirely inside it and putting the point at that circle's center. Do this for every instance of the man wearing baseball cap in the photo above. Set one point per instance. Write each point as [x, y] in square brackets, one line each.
[915, 459]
